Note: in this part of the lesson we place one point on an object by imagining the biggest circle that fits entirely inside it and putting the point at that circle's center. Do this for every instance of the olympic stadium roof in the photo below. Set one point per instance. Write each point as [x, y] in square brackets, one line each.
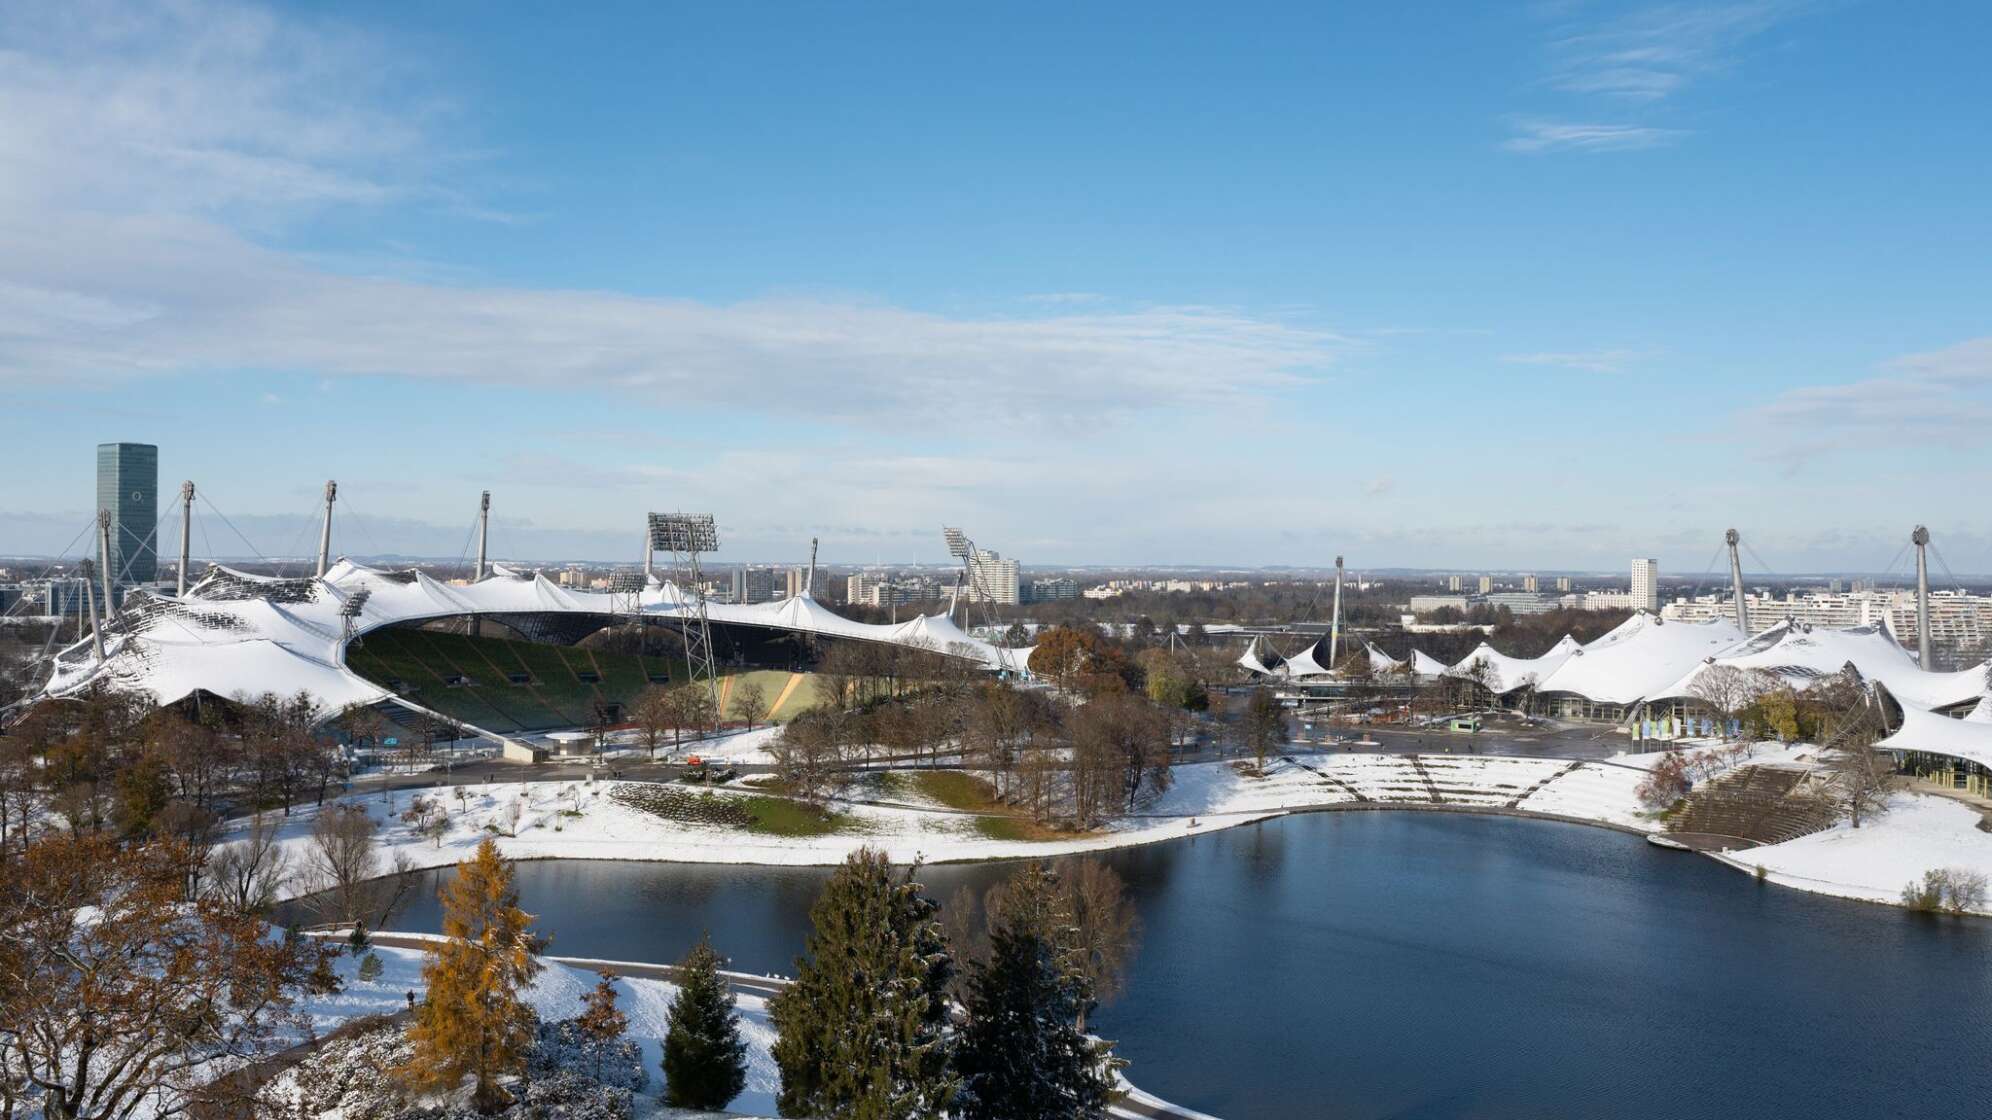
[237, 633]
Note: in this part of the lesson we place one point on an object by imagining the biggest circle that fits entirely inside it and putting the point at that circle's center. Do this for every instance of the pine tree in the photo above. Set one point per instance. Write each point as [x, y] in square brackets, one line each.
[863, 1030]
[705, 1062]
[370, 968]
[475, 1022]
[1023, 1055]
[601, 1019]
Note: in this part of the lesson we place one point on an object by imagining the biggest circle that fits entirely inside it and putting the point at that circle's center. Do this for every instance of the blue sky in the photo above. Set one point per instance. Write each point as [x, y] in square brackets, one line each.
[1534, 285]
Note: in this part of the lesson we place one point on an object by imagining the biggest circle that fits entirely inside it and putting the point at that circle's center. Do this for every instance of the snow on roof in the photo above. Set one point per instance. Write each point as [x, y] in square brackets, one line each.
[237, 632]
[1310, 662]
[1969, 739]
[1258, 660]
[1425, 665]
[1505, 673]
[1638, 657]
[1381, 662]
[1803, 655]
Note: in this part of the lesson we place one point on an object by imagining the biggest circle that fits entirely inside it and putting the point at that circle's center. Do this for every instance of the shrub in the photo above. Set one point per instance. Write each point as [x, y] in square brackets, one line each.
[1956, 890]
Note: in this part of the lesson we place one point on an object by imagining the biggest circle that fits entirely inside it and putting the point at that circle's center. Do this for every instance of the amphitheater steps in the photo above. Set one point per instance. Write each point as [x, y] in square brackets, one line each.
[1431, 788]
[1530, 792]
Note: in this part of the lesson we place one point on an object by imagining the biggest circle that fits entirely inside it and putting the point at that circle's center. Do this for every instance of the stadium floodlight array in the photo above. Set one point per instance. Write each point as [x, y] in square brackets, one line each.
[683, 533]
[355, 603]
[625, 581]
[958, 543]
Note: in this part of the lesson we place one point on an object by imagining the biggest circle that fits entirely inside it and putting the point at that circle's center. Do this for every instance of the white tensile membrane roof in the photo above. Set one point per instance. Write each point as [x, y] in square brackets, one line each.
[1638, 657]
[1310, 662]
[1505, 673]
[1381, 662]
[1425, 665]
[1969, 738]
[1257, 659]
[240, 633]
[1801, 656]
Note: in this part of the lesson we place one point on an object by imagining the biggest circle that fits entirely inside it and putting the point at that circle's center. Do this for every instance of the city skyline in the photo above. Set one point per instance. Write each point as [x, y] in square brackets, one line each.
[1537, 303]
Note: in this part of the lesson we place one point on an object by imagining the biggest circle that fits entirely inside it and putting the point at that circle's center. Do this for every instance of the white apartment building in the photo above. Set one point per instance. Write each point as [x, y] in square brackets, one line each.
[993, 579]
[1957, 620]
[1646, 585]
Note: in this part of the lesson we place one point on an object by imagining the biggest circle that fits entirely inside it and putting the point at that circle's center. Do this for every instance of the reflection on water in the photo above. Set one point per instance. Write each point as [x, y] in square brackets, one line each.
[1408, 965]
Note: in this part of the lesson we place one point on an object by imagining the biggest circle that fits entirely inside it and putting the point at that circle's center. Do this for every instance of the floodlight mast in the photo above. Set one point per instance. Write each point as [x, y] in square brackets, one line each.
[963, 549]
[686, 536]
[349, 613]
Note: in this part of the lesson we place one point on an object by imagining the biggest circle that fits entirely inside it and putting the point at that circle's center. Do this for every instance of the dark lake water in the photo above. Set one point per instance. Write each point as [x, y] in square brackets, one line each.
[1410, 965]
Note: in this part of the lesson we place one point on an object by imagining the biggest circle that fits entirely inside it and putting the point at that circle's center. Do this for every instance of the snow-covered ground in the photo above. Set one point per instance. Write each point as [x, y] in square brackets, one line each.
[579, 819]
[556, 994]
[1920, 832]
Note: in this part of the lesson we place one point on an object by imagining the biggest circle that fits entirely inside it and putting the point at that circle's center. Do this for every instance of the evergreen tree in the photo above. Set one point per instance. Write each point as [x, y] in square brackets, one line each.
[475, 1022]
[705, 1062]
[1023, 1055]
[601, 1019]
[863, 1031]
[370, 968]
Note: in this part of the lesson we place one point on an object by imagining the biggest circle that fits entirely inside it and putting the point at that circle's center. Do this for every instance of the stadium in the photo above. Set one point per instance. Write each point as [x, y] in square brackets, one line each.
[509, 654]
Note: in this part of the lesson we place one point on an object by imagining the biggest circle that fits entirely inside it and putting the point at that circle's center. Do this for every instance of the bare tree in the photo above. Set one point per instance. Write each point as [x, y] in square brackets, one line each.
[808, 750]
[750, 702]
[1726, 690]
[248, 874]
[344, 861]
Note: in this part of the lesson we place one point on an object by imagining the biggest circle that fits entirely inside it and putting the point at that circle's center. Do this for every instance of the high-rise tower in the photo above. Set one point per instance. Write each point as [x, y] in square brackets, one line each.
[128, 487]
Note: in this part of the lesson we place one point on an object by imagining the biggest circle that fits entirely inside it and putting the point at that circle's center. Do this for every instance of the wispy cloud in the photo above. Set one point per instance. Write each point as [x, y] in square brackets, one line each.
[1588, 361]
[1634, 61]
[1536, 135]
[1655, 51]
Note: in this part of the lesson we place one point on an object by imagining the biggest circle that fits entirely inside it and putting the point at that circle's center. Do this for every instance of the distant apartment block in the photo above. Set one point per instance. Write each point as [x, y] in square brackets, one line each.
[1646, 585]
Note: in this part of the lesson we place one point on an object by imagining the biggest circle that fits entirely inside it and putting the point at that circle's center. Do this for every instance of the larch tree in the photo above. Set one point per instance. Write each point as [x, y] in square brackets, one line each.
[705, 1061]
[601, 1019]
[1023, 1053]
[863, 1030]
[475, 1023]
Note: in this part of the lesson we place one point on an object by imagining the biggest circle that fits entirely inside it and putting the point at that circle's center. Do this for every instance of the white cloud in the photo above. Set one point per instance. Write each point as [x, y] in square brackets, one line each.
[147, 154]
[1533, 135]
[1588, 361]
[1937, 397]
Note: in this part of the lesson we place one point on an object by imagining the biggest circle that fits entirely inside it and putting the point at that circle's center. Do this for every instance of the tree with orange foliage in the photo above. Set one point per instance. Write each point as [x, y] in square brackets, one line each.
[1081, 658]
[118, 991]
[475, 1022]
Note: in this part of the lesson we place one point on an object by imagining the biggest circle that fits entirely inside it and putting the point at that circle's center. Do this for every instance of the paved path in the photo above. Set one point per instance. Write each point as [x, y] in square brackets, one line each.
[1137, 1103]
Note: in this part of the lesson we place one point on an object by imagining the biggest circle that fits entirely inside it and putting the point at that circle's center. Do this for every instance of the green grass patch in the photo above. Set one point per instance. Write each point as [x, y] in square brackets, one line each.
[774, 816]
[957, 790]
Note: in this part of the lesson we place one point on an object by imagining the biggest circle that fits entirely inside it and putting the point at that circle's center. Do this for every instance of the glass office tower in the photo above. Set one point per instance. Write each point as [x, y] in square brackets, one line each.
[128, 486]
